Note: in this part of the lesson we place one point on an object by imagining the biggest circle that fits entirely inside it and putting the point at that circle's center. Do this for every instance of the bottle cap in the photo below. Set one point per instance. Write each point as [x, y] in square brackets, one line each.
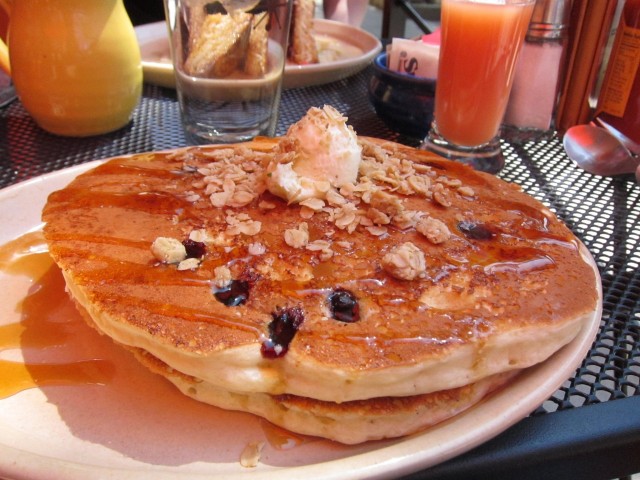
[550, 19]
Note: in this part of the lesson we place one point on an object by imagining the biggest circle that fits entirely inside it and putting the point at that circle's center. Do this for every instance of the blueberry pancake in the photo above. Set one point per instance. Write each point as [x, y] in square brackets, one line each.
[321, 275]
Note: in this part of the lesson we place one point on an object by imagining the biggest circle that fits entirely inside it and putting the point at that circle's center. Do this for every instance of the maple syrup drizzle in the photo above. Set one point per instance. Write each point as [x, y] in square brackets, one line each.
[48, 319]
[158, 203]
[102, 239]
[539, 262]
[17, 376]
[494, 255]
[106, 270]
[185, 313]
[139, 168]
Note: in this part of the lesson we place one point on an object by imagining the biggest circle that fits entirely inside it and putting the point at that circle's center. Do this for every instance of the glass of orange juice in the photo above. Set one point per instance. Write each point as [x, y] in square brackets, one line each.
[481, 40]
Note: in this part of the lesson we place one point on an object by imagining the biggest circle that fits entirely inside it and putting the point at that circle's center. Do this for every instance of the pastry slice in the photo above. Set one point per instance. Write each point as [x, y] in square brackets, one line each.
[220, 47]
[256, 59]
[302, 44]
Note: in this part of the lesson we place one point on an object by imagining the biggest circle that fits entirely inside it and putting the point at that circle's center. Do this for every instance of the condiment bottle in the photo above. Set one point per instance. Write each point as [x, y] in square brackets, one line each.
[534, 96]
[619, 100]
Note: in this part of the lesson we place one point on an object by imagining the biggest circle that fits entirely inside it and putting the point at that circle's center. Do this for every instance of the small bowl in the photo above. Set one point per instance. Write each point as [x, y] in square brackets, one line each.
[403, 102]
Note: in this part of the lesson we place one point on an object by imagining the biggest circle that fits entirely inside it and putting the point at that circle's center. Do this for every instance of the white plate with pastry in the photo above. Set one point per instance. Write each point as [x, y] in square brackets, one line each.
[344, 50]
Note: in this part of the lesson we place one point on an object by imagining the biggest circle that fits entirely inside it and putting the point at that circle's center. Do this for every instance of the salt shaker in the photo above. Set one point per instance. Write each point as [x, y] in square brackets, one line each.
[534, 96]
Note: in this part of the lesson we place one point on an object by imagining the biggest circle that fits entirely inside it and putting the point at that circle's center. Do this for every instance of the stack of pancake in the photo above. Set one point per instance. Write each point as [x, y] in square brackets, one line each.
[366, 309]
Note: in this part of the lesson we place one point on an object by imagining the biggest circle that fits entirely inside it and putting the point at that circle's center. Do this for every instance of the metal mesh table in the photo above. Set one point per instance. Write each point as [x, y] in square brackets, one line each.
[590, 428]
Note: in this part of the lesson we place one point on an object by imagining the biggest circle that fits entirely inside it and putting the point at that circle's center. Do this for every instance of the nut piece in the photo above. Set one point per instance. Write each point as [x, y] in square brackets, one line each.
[386, 203]
[168, 250]
[189, 264]
[466, 191]
[256, 248]
[435, 230]
[405, 262]
[222, 276]
[440, 195]
[297, 237]
[242, 224]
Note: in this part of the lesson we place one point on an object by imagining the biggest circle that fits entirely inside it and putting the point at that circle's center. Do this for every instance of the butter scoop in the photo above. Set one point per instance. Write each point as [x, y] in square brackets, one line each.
[324, 154]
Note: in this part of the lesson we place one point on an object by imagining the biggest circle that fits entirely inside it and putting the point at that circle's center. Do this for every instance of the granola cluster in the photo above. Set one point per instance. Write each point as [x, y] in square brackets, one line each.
[236, 177]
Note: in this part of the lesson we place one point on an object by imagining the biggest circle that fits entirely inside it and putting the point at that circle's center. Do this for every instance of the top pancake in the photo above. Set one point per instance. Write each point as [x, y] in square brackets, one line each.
[507, 287]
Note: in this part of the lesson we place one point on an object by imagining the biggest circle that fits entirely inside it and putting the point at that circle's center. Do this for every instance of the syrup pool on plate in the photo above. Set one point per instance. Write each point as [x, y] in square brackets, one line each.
[47, 323]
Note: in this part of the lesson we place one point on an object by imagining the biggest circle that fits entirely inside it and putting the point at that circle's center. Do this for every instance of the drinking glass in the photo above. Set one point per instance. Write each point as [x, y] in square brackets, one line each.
[228, 59]
[481, 40]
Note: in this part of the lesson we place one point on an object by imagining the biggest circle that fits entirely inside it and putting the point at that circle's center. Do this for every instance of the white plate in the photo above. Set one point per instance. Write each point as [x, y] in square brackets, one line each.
[357, 49]
[139, 426]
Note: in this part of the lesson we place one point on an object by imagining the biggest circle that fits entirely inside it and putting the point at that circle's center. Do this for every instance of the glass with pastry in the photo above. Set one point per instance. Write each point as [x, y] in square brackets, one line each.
[229, 61]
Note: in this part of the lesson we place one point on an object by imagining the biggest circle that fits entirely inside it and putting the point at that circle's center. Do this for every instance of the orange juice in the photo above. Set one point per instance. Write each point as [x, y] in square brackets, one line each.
[480, 43]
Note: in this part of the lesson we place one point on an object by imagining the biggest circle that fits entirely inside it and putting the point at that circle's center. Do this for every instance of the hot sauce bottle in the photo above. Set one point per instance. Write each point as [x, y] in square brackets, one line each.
[619, 100]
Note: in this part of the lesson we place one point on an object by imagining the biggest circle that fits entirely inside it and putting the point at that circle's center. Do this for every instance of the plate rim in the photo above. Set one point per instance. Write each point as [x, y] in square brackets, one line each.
[395, 457]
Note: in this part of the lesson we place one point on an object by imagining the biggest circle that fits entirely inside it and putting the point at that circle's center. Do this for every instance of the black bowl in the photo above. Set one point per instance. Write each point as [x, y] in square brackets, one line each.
[403, 102]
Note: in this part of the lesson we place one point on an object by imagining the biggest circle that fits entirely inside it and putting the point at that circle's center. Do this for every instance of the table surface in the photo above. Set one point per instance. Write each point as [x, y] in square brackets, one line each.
[590, 428]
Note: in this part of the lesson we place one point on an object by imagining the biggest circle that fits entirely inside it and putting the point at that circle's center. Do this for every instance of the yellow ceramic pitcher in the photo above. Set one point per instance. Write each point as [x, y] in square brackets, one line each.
[75, 64]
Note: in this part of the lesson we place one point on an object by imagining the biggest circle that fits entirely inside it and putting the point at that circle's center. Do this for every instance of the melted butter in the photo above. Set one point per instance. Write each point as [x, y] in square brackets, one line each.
[48, 319]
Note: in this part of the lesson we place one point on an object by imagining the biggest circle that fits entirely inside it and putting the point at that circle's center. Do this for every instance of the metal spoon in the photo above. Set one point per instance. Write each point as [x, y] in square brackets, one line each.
[597, 151]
